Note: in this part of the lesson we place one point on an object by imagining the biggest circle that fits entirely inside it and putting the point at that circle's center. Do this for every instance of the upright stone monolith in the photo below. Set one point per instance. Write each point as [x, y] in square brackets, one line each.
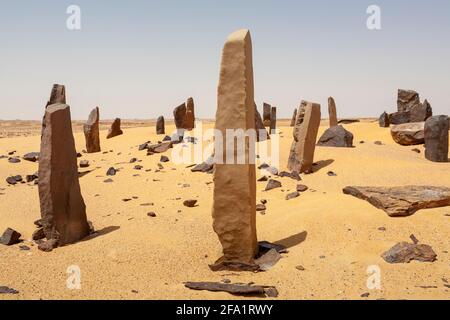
[267, 109]
[62, 207]
[234, 208]
[58, 95]
[179, 115]
[301, 157]
[115, 129]
[332, 112]
[160, 125]
[273, 120]
[189, 119]
[384, 121]
[294, 117]
[261, 132]
[436, 138]
[92, 132]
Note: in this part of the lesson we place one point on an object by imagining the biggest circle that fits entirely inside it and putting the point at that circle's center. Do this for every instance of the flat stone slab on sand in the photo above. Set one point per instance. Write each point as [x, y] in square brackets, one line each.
[402, 201]
[235, 289]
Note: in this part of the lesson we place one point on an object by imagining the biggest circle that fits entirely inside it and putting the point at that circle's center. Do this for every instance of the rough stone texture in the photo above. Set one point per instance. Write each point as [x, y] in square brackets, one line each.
[62, 207]
[160, 126]
[189, 119]
[115, 129]
[92, 132]
[261, 132]
[294, 117]
[301, 157]
[336, 136]
[408, 134]
[235, 289]
[332, 112]
[10, 237]
[421, 112]
[31, 156]
[273, 120]
[400, 117]
[58, 95]
[234, 206]
[384, 120]
[405, 252]
[402, 201]
[436, 139]
[267, 109]
[407, 99]
[300, 114]
[179, 114]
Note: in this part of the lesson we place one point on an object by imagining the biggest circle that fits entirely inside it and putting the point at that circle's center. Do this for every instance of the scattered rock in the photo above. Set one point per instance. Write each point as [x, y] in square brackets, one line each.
[111, 171]
[84, 163]
[203, 167]
[331, 174]
[108, 181]
[14, 180]
[164, 159]
[416, 150]
[31, 177]
[378, 143]
[38, 234]
[260, 207]
[348, 121]
[138, 167]
[336, 136]
[402, 201]
[32, 156]
[405, 252]
[190, 203]
[263, 179]
[151, 214]
[273, 184]
[293, 175]
[301, 188]
[7, 290]
[235, 289]
[10, 237]
[292, 195]
[133, 160]
[13, 160]
[301, 268]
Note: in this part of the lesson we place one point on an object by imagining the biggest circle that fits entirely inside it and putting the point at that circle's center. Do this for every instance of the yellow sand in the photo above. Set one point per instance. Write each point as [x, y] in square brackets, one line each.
[335, 237]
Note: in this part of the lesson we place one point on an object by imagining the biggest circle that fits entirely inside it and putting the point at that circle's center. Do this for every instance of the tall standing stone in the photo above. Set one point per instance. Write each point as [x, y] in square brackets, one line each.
[301, 113]
[115, 129]
[273, 120]
[234, 208]
[92, 131]
[261, 132]
[436, 139]
[301, 157]
[384, 121]
[189, 120]
[267, 109]
[58, 95]
[294, 117]
[160, 126]
[332, 112]
[62, 207]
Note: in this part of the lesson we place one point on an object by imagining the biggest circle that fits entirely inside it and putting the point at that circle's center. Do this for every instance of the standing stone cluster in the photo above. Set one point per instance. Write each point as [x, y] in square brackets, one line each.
[92, 131]
[436, 139]
[63, 210]
[234, 208]
[160, 125]
[409, 109]
[301, 156]
[332, 112]
[115, 129]
[184, 115]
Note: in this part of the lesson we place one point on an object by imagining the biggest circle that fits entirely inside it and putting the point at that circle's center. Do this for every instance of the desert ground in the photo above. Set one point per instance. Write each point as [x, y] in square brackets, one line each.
[334, 237]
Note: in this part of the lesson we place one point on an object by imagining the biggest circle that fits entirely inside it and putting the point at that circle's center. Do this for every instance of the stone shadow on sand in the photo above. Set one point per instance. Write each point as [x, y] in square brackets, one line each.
[293, 240]
[319, 165]
[101, 232]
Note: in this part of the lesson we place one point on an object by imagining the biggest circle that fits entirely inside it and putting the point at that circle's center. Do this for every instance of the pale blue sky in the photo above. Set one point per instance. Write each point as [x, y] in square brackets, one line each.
[139, 59]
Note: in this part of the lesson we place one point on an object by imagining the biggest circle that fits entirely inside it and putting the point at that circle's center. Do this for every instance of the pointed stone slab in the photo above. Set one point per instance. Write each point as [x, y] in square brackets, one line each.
[332, 112]
[115, 129]
[62, 207]
[58, 95]
[234, 206]
[160, 126]
[402, 201]
[92, 131]
[273, 120]
[189, 120]
[436, 139]
[267, 109]
[301, 157]
[261, 132]
[179, 115]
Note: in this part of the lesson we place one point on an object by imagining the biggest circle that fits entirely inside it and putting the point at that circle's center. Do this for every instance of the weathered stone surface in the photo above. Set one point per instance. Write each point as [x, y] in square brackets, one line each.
[402, 201]
[300, 114]
[407, 99]
[31, 156]
[405, 252]
[267, 109]
[336, 136]
[332, 112]
[10, 237]
[179, 114]
[384, 120]
[115, 129]
[38, 234]
[236, 183]
[160, 126]
[272, 184]
[92, 131]
[203, 167]
[189, 120]
[161, 147]
[400, 117]
[408, 134]
[261, 132]
[292, 195]
[62, 207]
[235, 289]
[294, 117]
[58, 95]
[273, 120]
[420, 112]
[301, 156]
[436, 139]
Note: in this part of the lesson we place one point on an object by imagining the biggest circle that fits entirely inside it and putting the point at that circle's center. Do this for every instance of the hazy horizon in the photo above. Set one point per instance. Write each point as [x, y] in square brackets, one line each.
[140, 59]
